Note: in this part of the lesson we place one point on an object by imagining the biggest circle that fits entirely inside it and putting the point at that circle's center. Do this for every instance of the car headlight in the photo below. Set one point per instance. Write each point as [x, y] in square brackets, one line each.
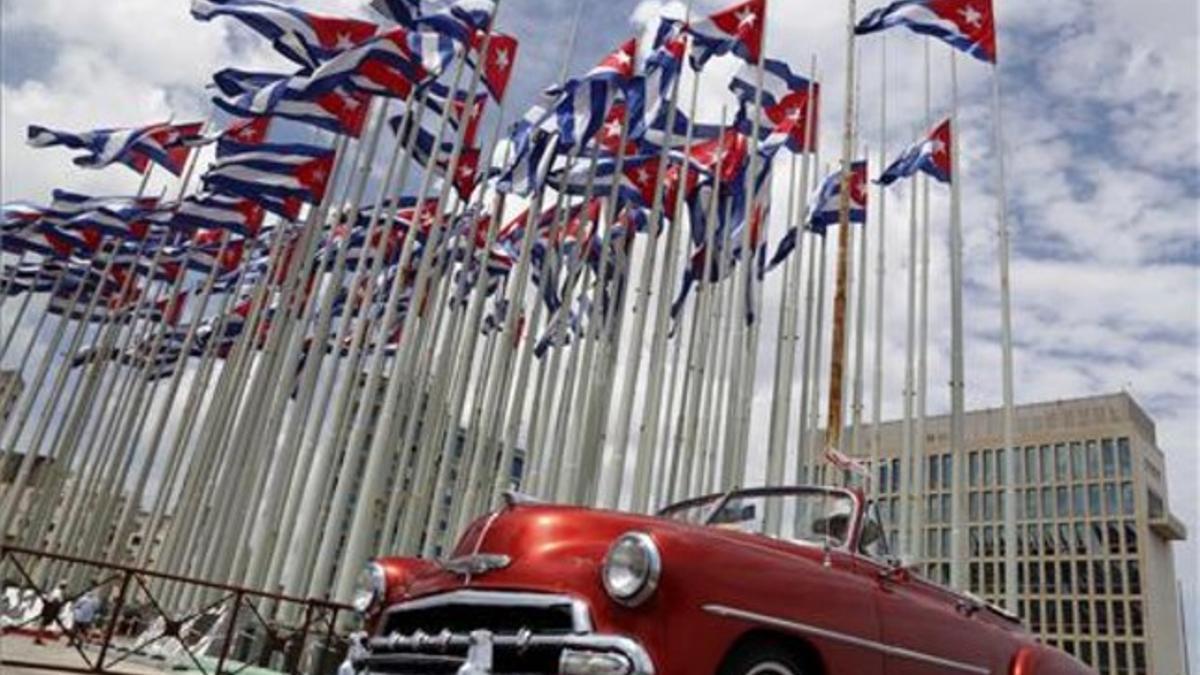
[370, 588]
[632, 569]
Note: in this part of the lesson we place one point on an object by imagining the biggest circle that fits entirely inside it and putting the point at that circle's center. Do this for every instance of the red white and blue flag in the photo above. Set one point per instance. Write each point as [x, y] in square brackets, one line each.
[219, 212]
[341, 110]
[306, 39]
[274, 175]
[968, 25]
[165, 144]
[826, 207]
[931, 155]
[785, 104]
[737, 29]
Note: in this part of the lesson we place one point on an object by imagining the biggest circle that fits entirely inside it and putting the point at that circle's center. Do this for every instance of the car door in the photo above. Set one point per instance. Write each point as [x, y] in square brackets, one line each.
[925, 629]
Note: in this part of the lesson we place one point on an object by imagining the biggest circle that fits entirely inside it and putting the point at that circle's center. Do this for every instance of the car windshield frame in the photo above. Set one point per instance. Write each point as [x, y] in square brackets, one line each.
[718, 500]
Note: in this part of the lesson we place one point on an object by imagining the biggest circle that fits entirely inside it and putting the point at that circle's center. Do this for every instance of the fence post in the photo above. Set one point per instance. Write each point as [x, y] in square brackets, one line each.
[118, 606]
[237, 605]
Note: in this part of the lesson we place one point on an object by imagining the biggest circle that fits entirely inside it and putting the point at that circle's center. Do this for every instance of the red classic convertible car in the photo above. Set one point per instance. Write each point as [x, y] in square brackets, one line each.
[773, 581]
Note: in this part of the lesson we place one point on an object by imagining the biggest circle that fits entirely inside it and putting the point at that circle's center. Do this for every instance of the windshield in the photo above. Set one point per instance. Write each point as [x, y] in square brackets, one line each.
[808, 515]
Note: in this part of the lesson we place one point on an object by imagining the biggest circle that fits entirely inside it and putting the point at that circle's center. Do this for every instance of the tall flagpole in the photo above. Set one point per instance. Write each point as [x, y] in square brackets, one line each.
[880, 268]
[833, 426]
[920, 449]
[1003, 243]
[905, 544]
[957, 398]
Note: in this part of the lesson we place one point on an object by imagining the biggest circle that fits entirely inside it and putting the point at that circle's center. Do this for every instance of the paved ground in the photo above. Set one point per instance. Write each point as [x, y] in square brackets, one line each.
[22, 648]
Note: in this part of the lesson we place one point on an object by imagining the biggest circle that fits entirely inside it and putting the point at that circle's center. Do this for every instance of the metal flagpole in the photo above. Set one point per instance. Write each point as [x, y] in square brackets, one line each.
[918, 539]
[907, 507]
[880, 273]
[838, 346]
[957, 398]
[784, 361]
[814, 421]
[1011, 535]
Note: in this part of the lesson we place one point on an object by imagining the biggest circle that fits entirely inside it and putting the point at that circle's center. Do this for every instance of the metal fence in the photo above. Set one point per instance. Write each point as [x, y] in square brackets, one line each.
[148, 617]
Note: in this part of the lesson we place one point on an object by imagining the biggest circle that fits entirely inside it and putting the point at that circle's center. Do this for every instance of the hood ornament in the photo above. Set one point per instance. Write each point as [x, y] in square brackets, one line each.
[475, 564]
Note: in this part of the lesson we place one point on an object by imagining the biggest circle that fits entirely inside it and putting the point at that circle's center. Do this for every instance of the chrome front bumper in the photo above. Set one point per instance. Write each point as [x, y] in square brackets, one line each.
[576, 651]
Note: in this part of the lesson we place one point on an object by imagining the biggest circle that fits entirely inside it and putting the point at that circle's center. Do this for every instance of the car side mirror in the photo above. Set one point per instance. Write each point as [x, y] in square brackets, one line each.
[900, 569]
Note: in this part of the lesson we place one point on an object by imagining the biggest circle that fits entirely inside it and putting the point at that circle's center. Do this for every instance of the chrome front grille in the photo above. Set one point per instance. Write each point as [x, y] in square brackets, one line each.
[525, 634]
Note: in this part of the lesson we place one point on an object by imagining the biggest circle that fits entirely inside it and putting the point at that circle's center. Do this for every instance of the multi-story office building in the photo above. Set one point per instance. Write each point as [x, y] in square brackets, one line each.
[1096, 575]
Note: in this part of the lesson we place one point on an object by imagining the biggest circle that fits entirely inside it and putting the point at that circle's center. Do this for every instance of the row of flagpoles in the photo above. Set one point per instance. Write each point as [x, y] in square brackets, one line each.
[283, 362]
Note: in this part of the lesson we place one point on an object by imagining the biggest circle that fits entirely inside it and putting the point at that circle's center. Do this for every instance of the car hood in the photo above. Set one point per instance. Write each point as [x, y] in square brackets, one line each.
[559, 549]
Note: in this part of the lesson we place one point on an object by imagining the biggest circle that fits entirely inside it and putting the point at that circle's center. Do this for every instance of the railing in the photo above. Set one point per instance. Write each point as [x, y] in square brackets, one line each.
[213, 628]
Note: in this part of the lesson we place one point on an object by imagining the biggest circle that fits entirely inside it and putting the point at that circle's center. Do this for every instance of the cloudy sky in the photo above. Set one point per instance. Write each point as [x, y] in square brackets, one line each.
[1100, 113]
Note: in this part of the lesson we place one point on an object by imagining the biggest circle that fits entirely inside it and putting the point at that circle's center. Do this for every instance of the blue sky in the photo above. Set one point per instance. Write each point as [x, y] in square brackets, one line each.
[1101, 125]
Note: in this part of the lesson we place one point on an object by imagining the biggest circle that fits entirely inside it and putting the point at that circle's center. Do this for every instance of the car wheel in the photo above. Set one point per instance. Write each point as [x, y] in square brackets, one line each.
[759, 658]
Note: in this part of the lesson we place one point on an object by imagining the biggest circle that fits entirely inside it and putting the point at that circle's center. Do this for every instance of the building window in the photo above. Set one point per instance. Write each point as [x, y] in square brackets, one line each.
[1031, 504]
[1085, 617]
[1094, 500]
[973, 538]
[1127, 498]
[1103, 662]
[1064, 577]
[1122, 660]
[1099, 583]
[989, 542]
[947, 470]
[932, 479]
[1114, 577]
[1139, 658]
[1154, 504]
[1134, 577]
[1001, 466]
[1049, 578]
[1093, 459]
[1101, 614]
[987, 468]
[1065, 545]
[1051, 617]
[1110, 459]
[973, 506]
[1085, 652]
[1080, 538]
[1068, 622]
[1064, 501]
[1035, 616]
[1047, 463]
[1033, 540]
[1123, 457]
[1110, 499]
[973, 471]
[1035, 577]
[1048, 538]
[1047, 503]
[1078, 502]
[1114, 538]
[1081, 577]
[1131, 545]
[1031, 471]
[989, 505]
[1078, 461]
[1137, 619]
[1061, 463]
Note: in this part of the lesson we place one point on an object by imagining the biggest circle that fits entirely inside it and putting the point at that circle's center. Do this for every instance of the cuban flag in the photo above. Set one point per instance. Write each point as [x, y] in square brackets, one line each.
[471, 14]
[581, 105]
[341, 110]
[119, 221]
[235, 214]
[827, 204]
[276, 176]
[306, 39]
[206, 253]
[163, 144]
[497, 63]
[968, 25]
[438, 156]
[17, 215]
[392, 64]
[649, 94]
[170, 145]
[533, 153]
[785, 105]
[931, 155]
[737, 29]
